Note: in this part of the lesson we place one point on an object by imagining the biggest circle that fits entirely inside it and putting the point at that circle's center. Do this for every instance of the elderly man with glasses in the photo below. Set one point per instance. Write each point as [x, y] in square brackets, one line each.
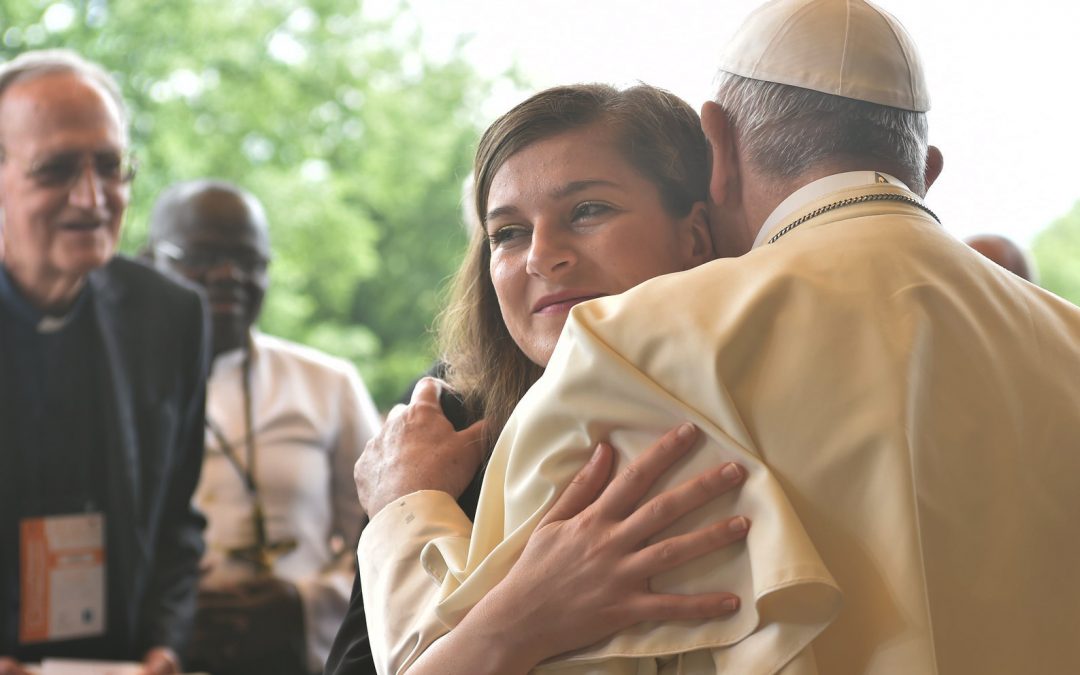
[102, 386]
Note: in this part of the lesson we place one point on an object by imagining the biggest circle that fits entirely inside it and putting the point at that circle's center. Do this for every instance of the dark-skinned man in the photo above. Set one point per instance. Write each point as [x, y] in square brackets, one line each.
[285, 424]
[102, 384]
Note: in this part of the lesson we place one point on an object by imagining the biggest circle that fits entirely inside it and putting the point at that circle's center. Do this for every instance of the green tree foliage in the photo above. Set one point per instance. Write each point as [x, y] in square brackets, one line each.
[1057, 253]
[356, 142]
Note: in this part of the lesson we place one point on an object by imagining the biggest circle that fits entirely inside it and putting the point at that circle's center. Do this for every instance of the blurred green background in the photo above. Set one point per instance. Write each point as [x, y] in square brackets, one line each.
[357, 143]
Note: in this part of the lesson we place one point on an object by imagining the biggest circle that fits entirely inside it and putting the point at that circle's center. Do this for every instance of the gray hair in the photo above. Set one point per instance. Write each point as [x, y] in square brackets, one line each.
[34, 64]
[786, 130]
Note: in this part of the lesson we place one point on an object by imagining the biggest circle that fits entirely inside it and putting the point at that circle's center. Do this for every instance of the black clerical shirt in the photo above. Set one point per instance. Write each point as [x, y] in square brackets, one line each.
[51, 371]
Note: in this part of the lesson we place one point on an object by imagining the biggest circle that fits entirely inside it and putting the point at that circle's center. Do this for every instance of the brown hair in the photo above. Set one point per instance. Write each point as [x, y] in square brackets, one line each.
[657, 133]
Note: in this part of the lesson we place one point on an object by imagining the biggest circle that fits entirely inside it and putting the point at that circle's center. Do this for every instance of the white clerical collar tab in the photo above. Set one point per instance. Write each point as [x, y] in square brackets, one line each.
[52, 324]
[820, 188]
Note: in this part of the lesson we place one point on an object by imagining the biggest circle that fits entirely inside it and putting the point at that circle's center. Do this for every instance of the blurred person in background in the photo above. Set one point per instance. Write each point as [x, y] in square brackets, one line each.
[1006, 253]
[102, 383]
[284, 426]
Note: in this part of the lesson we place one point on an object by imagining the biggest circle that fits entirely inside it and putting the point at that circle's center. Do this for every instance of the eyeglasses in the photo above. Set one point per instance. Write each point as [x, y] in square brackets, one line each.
[63, 169]
[204, 260]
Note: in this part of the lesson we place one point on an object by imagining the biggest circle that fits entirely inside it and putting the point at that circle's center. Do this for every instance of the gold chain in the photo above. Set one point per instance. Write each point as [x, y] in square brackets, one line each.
[850, 201]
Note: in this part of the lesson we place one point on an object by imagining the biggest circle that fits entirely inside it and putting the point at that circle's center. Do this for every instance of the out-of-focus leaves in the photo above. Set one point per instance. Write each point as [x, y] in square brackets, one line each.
[1057, 254]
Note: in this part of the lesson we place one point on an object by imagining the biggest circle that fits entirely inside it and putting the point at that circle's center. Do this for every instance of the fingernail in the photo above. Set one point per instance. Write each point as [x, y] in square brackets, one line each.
[685, 430]
[730, 604]
[731, 471]
[738, 525]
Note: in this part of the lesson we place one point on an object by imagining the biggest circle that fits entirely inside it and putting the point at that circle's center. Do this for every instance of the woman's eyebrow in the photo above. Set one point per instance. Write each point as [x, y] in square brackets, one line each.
[561, 192]
[579, 185]
[500, 211]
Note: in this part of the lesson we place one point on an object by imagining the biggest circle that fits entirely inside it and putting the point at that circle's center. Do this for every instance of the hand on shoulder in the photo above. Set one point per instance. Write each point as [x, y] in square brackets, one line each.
[417, 449]
[584, 574]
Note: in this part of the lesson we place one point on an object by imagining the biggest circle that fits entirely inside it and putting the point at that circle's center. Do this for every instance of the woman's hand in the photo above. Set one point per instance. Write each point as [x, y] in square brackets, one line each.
[417, 449]
[584, 574]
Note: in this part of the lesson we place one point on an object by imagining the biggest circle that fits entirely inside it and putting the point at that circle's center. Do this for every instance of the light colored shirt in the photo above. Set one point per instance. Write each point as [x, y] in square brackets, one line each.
[907, 413]
[312, 417]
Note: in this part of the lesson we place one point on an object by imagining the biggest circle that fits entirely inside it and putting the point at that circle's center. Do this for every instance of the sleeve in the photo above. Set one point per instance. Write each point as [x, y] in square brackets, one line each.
[325, 596]
[169, 603]
[400, 575]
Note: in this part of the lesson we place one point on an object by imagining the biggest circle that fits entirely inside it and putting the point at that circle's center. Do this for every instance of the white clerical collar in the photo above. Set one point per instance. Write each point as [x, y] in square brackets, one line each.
[818, 189]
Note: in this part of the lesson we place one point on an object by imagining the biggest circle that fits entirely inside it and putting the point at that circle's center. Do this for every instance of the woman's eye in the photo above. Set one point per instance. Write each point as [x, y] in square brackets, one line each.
[590, 210]
[505, 234]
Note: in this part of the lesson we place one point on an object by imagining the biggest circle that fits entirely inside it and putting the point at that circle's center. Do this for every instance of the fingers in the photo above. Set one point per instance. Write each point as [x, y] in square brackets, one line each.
[584, 488]
[668, 607]
[473, 435]
[161, 661]
[9, 666]
[670, 505]
[630, 485]
[474, 430]
[427, 390]
[670, 553]
[397, 411]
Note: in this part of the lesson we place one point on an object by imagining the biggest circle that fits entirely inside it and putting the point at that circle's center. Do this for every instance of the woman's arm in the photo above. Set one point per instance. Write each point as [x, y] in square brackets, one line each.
[584, 574]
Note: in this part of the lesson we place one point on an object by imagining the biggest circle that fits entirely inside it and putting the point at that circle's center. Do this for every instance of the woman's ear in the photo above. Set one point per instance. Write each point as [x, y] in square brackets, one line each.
[697, 243]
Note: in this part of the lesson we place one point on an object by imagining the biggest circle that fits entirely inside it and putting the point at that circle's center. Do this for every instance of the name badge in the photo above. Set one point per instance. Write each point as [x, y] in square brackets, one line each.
[61, 577]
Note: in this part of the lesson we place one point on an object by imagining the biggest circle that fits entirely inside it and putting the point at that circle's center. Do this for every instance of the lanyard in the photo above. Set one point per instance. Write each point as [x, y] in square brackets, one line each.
[262, 554]
[246, 475]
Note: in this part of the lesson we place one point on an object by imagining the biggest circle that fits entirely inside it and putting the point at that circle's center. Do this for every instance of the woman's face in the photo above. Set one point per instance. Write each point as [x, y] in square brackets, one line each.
[570, 220]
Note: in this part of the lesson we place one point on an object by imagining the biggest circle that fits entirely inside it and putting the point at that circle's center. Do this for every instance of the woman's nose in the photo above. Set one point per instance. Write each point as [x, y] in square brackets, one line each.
[551, 250]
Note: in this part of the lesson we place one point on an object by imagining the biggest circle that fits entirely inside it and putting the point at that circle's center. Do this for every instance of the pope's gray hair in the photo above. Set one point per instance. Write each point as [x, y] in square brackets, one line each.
[786, 130]
[34, 64]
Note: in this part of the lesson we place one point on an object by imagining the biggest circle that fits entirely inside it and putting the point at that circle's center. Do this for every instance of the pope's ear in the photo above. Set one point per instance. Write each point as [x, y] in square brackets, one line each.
[934, 163]
[719, 132]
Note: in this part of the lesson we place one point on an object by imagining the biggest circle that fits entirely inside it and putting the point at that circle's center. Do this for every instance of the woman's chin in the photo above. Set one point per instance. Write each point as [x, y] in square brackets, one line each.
[539, 349]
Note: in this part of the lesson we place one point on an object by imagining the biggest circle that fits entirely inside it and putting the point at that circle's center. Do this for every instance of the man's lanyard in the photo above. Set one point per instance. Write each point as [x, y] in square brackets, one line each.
[227, 449]
[262, 554]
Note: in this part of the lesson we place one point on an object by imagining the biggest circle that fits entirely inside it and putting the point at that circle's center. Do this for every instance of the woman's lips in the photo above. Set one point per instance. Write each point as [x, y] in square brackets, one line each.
[560, 303]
